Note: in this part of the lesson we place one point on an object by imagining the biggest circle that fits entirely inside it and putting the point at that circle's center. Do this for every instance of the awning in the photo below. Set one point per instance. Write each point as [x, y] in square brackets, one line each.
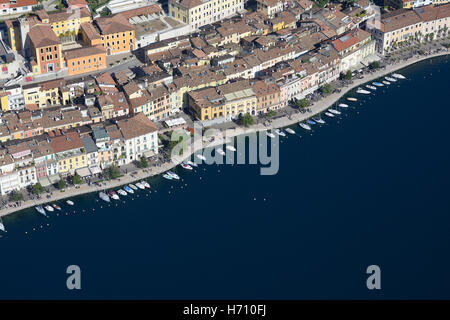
[54, 178]
[149, 154]
[83, 172]
[95, 169]
[44, 181]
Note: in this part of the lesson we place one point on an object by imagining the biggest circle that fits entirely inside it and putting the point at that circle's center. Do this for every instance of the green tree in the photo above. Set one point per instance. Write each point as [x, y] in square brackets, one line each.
[37, 188]
[16, 196]
[114, 172]
[326, 88]
[348, 75]
[374, 65]
[144, 162]
[303, 103]
[246, 120]
[76, 179]
[61, 184]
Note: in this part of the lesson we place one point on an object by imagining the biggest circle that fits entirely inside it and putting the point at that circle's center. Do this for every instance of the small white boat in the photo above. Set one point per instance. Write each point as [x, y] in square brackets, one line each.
[386, 82]
[168, 177]
[231, 148]
[56, 207]
[343, 105]
[390, 79]
[329, 114]
[186, 166]
[352, 99]
[280, 133]
[140, 186]
[398, 76]
[49, 208]
[41, 210]
[122, 192]
[2, 226]
[173, 175]
[145, 184]
[290, 131]
[334, 111]
[371, 87]
[319, 120]
[193, 164]
[128, 189]
[132, 186]
[270, 134]
[220, 151]
[201, 157]
[362, 91]
[304, 126]
[378, 84]
[104, 196]
[113, 195]
[70, 202]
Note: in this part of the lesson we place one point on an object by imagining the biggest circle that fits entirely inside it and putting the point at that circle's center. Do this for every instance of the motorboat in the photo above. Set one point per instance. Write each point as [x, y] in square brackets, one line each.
[352, 99]
[122, 192]
[132, 186]
[390, 79]
[270, 134]
[168, 177]
[173, 175]
[329, 114]
[362, 91]
[231, 148]
[128, 189]
[220, 151]
[113, 195]
[312, 122]
[140, 186]
[343, 105]
[145, 184]
[201, 157]
[290, 131]
[186, 166]
[377, 84]
[70, 202]
[280, 133]
[56, 207]
[304, 126]
[104, 196]
[191, 163]
[49, 208]
[398, 76]
[2, 226]
[41, 210]
[371, 87]
[386, 82]
[319, 120]
[334, 111]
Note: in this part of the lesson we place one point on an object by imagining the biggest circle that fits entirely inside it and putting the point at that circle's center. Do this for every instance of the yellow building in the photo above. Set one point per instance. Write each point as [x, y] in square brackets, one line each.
[66, 22]
[13, 29]
[70, 152]
[46, 94]
[4, 101]
[198, 13]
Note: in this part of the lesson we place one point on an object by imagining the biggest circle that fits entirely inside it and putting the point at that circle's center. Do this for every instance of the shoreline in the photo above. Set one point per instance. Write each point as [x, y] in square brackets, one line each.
[196, 146]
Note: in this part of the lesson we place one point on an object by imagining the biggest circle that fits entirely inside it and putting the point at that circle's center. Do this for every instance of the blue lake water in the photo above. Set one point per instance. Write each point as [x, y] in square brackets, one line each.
[369, 187]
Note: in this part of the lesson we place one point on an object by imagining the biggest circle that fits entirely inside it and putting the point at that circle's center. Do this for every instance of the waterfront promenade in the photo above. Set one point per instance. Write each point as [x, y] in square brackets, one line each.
[316, 108]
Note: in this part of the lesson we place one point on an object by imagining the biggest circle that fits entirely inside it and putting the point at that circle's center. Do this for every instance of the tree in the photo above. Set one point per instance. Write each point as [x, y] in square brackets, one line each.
[326, 88]
[348, 75]
[303, 103]
[16, 196]
[144, 162]
[76, 179]
[61, 184]
[37, 188]
[374, 65]
[246, 120]
[271, 114]
[114, 172]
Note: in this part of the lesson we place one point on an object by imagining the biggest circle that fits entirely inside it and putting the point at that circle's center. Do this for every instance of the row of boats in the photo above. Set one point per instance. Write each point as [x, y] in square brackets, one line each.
[128, 189]
[387, 81]
[51, 207]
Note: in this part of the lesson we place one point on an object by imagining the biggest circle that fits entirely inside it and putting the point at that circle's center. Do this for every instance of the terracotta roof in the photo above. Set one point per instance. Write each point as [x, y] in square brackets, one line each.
[90, 31]
[151, 9]
[41, 35]
[114, 24]
[83, 52]
[68, 141]
[399, 19]
[19, 3]
[136, 126]
[68, 14]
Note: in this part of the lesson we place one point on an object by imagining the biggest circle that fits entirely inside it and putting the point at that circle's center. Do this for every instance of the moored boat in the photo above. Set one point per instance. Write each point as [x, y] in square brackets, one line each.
[113, 195]
[220, 151]
[56, 207]
[231, 148]
[173, 175]
[49, 208]
[334, 111]
[377, 84]
[186, 166]
[362, 91]
[128, 189]
[352, 99]
[132, 186]
[280, 133]
[398, 76]
[270, 134]
[371, 87]
[70, 202]
[290, 131]
[343, 105]
[104, 196]
[41, 210]
[304, 126]
[140, 186]
[319, 120]
[122, 192]
[145, 184]
[386, 82]
[2, 226]
[193, 164]
[329, 114]
[390, 79]
[309, 121]
[201, 157]
[168, 177]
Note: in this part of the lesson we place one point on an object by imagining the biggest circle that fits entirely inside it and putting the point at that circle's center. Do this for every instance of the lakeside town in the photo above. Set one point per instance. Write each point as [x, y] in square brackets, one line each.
[94, 94]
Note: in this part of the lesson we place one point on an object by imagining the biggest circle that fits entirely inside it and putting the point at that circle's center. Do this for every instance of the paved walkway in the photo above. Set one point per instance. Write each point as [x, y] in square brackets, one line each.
[318, 107]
